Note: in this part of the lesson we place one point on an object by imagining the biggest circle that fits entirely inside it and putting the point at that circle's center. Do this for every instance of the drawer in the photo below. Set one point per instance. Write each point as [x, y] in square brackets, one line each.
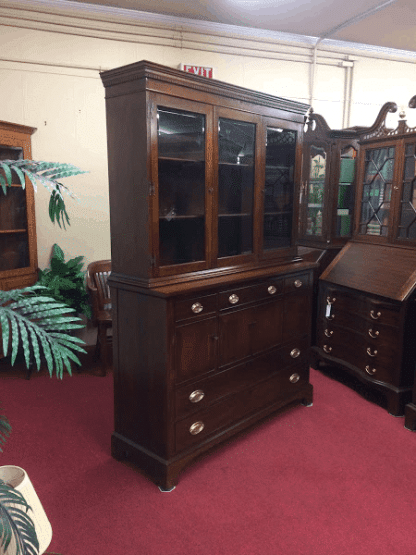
[199, 426]
[297, 282]
[195, 307]
[238, 296]
[202, 393]
[379, 357]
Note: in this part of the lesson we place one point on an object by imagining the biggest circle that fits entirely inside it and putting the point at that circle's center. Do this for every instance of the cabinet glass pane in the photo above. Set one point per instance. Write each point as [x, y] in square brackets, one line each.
[181, 186]
[375, 202]
[345, 192]
[278, 188]
[235, 187]
[13, 209]
[407, 225]
[315, 191]
[14, 251]
[11, 153]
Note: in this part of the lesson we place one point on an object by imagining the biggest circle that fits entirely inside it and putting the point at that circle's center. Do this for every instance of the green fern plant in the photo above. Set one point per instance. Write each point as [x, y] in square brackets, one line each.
[34, 322]
[65, 281]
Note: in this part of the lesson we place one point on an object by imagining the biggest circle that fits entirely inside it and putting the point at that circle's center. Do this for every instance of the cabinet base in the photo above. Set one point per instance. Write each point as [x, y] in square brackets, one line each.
[391, 398]
[410, 417]
[165, 473]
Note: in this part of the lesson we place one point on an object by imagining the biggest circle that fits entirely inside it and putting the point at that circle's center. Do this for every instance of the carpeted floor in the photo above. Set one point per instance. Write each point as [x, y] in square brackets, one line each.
[337, 478]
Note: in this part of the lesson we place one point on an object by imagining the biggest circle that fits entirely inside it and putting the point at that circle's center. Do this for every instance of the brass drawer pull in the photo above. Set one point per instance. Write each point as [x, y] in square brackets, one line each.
[298, 283]
[196, 428]
[330, 317]
[294, 353]
[374, 315]
[327, 348]
[328, 332]
[197, 308]
[373, 334]
[294, 378]
[372, 354]
[370, 370]
[271, 289]
[331, 301]
[233, 298]
[196, 396]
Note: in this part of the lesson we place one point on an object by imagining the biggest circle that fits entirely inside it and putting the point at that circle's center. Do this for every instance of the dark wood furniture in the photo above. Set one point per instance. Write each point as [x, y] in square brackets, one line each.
[18, 249]
[366, 315]
[211, 304]
[98, 273]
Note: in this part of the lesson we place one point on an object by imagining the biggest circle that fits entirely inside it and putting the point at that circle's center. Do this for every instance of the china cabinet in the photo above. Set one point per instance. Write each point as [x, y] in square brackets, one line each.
[366, 308]
[327, 192]
[18, 250]
[211, 303]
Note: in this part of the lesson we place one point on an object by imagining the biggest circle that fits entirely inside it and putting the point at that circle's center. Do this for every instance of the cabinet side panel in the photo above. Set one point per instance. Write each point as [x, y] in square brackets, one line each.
[128, 183]
[140, 371]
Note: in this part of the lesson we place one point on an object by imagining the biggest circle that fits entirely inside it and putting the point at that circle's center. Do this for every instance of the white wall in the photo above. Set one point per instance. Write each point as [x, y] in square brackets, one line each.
[49, 71]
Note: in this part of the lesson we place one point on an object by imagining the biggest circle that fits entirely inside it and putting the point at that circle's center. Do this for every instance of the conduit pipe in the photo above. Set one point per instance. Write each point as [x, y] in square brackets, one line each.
[331, 32]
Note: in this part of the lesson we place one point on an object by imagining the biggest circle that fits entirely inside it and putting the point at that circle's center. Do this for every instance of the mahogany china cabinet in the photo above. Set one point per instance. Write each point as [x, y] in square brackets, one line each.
[327, 191]
[366, 307]
[18, 250]
[212, 304]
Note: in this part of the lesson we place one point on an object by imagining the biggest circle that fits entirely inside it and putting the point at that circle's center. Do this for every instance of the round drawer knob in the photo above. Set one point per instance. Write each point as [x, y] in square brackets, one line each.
[197, 308]
[271, 289]
[370, 370]
[196, 428]
[196, 396]
[294, 378]
[294, 353]
[297, 283]
[233, 298]
[327, 348]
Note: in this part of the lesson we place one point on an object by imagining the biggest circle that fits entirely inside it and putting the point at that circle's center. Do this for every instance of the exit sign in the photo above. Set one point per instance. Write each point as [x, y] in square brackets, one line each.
[198, 70]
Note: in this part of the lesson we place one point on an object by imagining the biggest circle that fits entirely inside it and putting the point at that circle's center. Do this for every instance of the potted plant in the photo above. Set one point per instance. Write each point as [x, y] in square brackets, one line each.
[35, 322]
[65, 281]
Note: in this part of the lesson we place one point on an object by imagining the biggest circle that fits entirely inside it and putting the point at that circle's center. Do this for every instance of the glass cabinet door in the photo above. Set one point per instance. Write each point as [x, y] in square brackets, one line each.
[407, 218]
[14, 241]
[278, 188]
[376, 194]
[315, 189]
[236, 153]
[345, 203]
[181, 186]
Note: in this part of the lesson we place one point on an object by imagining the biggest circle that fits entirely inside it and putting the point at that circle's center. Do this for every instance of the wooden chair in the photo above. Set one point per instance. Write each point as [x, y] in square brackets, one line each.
[97, 275]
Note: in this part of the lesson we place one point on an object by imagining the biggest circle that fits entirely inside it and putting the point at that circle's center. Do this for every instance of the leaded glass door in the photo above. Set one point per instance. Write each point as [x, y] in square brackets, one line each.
[378, 178]
[407, 218]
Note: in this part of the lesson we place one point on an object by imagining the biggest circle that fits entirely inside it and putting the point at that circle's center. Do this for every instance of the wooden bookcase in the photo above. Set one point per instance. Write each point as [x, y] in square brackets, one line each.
[18, 249]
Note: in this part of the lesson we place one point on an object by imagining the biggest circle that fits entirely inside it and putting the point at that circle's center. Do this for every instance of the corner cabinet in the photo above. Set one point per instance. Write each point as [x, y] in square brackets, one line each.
[18, 250]
[212, 305]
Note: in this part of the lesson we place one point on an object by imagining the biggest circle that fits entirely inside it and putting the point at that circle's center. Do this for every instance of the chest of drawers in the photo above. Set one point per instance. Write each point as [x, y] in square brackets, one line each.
[192, 370]
[370, 337]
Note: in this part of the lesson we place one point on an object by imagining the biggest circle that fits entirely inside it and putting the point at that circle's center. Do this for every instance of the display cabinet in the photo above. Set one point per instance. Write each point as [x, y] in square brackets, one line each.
[18, 250]
[328, 189]
[366, 316]
[211, 303]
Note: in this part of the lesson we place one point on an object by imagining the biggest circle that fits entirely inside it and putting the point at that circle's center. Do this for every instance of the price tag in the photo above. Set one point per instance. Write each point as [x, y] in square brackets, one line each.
[328, 310]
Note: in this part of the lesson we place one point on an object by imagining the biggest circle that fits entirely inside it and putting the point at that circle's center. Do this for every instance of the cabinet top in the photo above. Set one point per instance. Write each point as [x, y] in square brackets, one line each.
[382, 270]
[149, 75]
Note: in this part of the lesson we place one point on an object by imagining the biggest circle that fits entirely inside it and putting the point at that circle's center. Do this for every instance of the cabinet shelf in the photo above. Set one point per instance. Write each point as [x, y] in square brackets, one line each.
[10, 231]
[181, 159]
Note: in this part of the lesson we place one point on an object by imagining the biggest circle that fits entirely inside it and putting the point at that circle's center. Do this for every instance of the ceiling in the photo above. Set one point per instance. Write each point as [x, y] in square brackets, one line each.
[384, 23]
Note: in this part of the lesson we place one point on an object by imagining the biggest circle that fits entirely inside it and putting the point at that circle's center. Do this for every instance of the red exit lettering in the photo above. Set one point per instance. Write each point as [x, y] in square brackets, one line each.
[199, 70]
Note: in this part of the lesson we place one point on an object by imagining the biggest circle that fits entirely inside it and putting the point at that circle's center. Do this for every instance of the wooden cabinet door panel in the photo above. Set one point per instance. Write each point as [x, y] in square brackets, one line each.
[196, 348]
[249, 331]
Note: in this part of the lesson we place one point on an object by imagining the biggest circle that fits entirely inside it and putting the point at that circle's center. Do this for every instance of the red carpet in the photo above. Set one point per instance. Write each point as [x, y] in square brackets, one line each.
[336, 478]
